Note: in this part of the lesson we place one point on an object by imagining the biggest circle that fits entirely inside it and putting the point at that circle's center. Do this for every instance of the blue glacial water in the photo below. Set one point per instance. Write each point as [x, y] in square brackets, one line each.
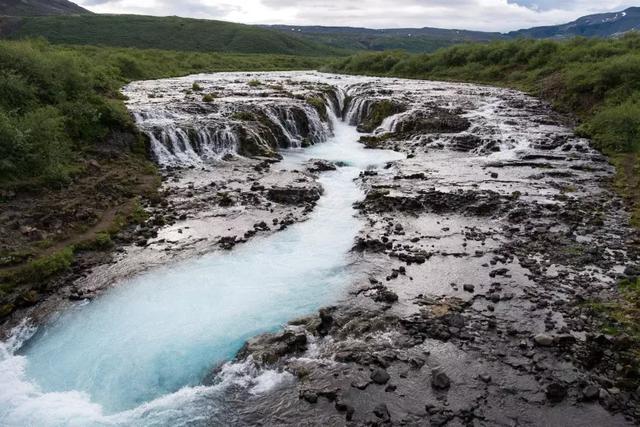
[138, 354]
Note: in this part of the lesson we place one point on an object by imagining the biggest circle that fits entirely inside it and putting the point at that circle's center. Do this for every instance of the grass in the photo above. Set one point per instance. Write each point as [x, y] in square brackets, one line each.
[167, 33]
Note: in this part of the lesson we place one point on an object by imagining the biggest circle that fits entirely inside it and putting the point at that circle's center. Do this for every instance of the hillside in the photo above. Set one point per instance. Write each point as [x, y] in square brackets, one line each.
[409, 39]
[420, 40]
[600, 25]
[39, 8]
[169, 33]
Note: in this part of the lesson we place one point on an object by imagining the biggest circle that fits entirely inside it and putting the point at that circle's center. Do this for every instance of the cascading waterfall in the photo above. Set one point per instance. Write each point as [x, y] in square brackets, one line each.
[189, 143]
[359, 108]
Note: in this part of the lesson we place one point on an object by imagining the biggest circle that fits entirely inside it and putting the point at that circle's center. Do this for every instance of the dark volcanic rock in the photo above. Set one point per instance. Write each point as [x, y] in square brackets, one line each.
[294, 195]
[269, 348]
[440, 380]
[436, 120]
[380, 376]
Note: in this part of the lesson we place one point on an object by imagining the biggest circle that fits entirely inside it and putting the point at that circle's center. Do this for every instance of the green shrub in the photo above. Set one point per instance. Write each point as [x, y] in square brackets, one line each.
[617, 128]
[46, 267]
[254, 83]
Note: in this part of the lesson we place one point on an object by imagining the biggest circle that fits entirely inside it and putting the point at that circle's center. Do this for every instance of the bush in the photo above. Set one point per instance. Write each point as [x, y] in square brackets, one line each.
[45, 267]
[617, 128]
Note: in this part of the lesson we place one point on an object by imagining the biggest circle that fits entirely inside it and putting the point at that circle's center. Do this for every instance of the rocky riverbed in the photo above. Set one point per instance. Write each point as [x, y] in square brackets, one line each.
[480, 254]
[472, 274]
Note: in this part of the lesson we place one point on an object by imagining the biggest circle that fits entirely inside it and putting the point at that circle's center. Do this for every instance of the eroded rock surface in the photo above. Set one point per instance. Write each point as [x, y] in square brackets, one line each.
[479, 253]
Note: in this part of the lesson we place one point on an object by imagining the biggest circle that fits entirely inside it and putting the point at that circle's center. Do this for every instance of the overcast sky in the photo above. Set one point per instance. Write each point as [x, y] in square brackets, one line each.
[488, 15]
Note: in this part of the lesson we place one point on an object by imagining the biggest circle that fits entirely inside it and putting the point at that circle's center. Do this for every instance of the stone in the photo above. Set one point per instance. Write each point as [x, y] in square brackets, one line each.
[556, 392]
[381, 411]
[469, 288]
[590, 392]
[380, 376]
[440, 380]
[486, 378]
[309, 396]
[543, 340]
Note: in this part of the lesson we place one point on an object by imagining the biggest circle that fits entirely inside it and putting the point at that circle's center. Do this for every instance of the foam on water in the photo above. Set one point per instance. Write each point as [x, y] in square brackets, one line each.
[138, 355]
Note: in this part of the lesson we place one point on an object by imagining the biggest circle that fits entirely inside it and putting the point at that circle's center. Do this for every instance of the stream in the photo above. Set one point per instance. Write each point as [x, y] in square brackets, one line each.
[137, 355]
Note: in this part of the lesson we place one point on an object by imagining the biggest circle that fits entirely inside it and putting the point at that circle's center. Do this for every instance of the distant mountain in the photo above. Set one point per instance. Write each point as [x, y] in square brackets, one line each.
[169, 33]
[600, 25]
[39, 8]
[430, 39]
[409, 39]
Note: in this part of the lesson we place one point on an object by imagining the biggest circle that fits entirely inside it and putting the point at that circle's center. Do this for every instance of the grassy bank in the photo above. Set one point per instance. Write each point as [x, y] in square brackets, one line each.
[72, 164]
[595, 80]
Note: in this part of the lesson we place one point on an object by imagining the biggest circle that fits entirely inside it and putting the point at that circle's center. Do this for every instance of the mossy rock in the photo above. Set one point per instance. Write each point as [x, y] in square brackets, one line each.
[379, 111]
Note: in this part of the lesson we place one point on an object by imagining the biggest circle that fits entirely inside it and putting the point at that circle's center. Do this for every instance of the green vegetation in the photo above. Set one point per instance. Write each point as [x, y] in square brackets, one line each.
[254, 83]
[150, 32]
[417, 40]
[45, 267]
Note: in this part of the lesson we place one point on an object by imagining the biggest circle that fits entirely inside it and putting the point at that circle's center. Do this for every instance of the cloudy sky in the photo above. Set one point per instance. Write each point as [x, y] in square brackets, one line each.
[488, 15]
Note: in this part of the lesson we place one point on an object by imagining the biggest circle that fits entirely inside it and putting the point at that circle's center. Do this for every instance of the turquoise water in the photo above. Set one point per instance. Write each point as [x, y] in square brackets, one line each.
[137, 355]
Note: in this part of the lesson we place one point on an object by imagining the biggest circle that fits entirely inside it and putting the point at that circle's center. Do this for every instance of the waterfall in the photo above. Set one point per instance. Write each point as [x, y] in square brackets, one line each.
[179, 139]
[358, 109]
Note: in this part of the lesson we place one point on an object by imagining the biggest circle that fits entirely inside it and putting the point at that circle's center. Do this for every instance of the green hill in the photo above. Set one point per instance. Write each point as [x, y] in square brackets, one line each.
[417, 40]
[39, 8]
[168, 33]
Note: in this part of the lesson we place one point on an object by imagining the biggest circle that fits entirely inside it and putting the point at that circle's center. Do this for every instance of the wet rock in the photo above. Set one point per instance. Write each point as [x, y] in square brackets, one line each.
[269, 348]
[543, 340]
[466, 142]
[591, 392]
[381, 411]
[326, 321]
[486, 378]
[319, 165]
[386, 296]
[435, 120]
[556, 392]
[294, 195]
[440, 380]
[380, 376]
[309, 396]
